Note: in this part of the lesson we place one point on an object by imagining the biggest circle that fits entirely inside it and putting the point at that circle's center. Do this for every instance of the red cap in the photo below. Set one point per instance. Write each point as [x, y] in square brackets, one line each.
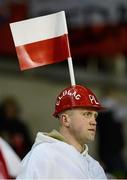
[76, 96]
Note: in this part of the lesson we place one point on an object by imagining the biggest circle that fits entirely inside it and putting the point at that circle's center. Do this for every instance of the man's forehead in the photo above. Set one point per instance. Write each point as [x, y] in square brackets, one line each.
[84, 109]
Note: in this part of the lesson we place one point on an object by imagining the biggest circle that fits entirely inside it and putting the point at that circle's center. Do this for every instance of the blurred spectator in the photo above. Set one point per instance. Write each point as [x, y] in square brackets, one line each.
[13, 128]
[10, 11]
[110, 135]
[9, 161]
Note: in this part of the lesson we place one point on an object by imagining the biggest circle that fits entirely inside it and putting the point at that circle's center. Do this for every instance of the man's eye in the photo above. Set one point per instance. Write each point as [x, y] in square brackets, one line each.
[87, 114]
[96, 115]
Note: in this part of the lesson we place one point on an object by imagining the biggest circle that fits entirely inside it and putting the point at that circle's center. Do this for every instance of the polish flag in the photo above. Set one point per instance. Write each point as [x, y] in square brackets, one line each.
[42, 40]
[3, 168]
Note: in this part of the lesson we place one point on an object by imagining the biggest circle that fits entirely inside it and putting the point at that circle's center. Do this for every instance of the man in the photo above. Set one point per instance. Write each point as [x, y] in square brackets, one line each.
[13, 127]
[64, 154]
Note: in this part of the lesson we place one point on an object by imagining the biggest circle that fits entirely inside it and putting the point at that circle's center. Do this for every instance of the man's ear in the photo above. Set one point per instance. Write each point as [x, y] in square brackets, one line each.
[65, 120]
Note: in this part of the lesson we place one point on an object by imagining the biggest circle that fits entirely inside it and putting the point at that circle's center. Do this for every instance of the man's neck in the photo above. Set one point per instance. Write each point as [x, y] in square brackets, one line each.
[71, 140]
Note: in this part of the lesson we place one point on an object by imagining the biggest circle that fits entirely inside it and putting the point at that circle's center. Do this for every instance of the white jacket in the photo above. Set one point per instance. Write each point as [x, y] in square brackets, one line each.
[51, 158]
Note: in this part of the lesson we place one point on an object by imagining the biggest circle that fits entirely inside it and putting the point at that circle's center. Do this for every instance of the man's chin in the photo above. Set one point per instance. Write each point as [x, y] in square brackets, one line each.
[90, 139]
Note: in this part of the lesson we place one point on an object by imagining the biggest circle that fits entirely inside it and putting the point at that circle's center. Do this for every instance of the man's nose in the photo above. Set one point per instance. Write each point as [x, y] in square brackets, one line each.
[93, 121]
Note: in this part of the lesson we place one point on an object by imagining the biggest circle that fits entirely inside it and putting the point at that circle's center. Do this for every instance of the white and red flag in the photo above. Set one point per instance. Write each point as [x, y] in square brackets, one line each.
[9, 161]
[42, 40]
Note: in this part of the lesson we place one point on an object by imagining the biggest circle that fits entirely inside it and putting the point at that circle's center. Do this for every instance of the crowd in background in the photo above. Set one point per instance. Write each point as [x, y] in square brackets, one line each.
[111, 138]
[14, 131]
[13, 128]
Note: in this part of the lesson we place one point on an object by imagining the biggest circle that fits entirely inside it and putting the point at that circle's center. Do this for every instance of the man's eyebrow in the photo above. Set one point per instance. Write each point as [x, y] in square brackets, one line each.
[86, 111]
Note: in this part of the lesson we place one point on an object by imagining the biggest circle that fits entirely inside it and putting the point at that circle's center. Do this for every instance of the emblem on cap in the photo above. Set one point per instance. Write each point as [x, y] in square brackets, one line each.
[68, 93]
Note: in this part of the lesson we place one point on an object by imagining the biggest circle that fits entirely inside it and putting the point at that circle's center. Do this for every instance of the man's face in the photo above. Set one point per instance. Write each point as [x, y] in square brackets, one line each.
[82, 124]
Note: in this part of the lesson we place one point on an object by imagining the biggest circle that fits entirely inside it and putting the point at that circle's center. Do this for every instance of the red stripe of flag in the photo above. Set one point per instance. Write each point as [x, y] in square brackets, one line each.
[43, 52]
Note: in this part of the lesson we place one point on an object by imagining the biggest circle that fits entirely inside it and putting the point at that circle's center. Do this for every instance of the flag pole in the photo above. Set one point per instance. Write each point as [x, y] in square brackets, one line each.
[71, 71]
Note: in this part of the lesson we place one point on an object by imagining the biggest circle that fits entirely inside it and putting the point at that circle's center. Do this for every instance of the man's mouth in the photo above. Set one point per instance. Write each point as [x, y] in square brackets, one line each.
[92, 130]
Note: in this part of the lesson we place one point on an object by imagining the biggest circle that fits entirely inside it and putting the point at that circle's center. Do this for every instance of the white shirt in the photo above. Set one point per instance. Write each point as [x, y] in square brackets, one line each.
[51, 158]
